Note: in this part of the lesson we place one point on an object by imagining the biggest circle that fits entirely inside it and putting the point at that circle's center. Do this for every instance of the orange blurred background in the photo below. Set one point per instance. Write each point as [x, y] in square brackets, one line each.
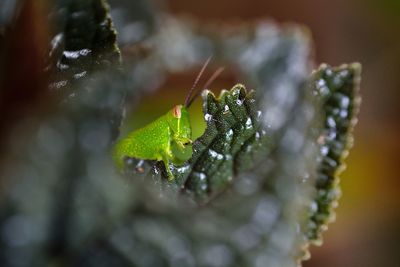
[367, 228]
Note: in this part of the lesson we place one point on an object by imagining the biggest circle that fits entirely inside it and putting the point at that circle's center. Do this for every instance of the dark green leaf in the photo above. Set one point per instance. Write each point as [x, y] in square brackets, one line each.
[234, 141]
[337, 90]
[271, 192]
[59, 146]
[84, 41]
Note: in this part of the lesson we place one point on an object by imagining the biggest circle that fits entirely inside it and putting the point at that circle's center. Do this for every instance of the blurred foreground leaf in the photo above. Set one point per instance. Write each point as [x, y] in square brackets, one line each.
[47, 167]
[84, 41]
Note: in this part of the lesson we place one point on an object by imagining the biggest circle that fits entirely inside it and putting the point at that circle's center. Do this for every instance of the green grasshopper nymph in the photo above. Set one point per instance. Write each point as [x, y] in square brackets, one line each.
[167, 139]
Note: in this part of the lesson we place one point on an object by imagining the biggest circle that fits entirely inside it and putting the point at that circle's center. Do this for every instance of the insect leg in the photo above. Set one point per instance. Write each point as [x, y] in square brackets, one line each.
[166, 155]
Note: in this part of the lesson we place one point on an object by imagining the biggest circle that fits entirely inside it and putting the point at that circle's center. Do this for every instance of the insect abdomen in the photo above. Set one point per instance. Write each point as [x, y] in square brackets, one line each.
[146, 143]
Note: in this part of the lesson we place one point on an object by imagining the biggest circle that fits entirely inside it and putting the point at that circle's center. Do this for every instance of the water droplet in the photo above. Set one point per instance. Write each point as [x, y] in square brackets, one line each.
[321, 82]
[58, 85]
[202, 180]
[80, 75]
[55, 43]
[229, 135]
[215, 154]
[324, 150]
[76, 54]
[259, 113]
[314, 206]
[344, 102]
[331, 122]
[62, 66]
[208, 117]
[331, 135]
[201, 176]
[322, 88]
[343, 114]
[183, 169]
[338, 81]
[249, 124]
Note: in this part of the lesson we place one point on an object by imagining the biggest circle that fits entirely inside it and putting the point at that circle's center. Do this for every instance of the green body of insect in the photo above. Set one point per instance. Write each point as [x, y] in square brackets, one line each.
[167, 139]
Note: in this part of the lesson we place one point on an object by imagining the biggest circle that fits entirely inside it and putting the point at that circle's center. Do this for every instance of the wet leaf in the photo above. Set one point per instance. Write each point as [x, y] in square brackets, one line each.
[234, 141]
[63, 143]
[337, 90]
[84, 41]
[267, 197]
[238, 46]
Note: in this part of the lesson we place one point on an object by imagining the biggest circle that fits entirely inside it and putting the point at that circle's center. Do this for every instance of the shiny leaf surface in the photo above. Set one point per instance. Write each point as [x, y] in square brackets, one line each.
[337, 90]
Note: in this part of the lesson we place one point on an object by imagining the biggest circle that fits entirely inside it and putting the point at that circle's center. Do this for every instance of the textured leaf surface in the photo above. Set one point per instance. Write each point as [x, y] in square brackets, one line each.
[84, 41]
[337, 89]
[270, 194]
[56, 149]
[234, 141]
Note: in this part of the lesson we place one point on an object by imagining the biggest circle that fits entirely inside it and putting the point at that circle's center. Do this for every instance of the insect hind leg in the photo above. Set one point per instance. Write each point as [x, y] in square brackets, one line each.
[166, 156]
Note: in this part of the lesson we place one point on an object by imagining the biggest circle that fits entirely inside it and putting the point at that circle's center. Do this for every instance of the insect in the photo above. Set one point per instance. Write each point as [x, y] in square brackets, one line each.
[167, 139]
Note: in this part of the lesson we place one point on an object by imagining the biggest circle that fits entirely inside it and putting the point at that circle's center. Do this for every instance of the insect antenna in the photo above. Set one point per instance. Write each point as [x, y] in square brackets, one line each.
[189, 95]
[207, 84]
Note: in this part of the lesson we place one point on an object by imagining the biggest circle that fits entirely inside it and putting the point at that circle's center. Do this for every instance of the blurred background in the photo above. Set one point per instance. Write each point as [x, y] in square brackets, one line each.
[367, 228]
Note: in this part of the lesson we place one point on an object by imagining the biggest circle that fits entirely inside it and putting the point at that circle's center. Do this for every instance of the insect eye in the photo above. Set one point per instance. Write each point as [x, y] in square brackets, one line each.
[176, 112]
[187, 143]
